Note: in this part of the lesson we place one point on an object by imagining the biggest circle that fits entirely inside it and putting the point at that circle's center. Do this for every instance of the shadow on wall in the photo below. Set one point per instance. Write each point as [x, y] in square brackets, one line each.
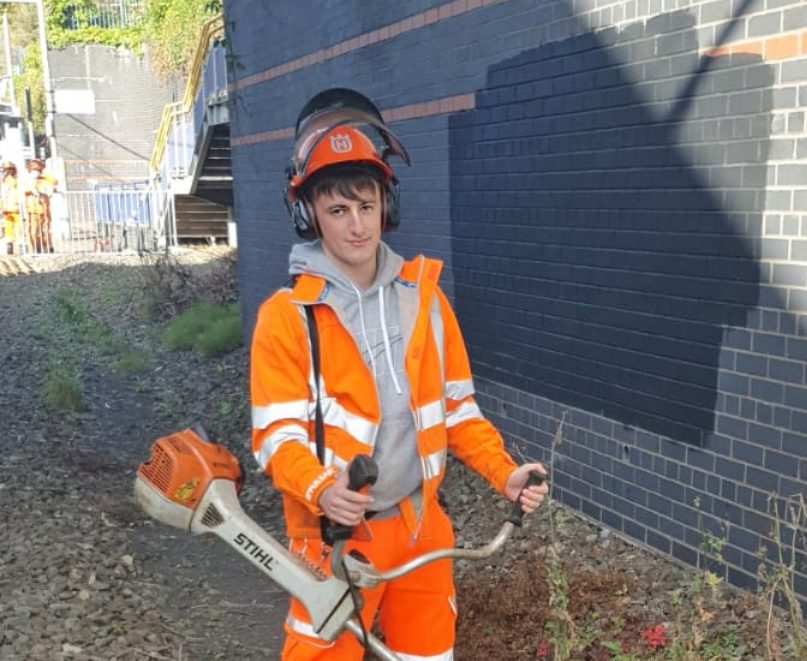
[605, 231]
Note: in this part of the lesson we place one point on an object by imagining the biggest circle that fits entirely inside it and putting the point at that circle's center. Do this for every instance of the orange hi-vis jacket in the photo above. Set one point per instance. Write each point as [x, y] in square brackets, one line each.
[10, 194]
[284, 396]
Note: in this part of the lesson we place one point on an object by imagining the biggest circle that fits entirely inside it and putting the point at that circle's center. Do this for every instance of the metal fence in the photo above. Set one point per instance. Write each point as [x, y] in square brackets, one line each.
[121, 220]
[103, 14]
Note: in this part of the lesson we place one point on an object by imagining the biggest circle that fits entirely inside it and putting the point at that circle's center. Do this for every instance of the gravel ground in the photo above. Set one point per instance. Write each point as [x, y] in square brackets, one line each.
[85, 575]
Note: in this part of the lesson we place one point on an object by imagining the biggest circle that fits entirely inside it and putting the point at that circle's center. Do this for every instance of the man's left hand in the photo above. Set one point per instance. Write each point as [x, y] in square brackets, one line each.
[529, 498]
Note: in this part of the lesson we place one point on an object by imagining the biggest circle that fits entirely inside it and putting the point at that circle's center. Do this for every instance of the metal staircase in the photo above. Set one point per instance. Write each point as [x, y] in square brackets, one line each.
[190, 164]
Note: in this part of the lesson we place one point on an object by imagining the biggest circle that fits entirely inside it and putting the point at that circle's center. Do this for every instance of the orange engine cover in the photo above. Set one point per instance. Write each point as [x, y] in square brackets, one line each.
[183, 464]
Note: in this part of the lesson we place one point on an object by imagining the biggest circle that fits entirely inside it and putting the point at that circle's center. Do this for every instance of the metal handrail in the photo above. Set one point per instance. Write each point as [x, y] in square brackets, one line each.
[211, 30]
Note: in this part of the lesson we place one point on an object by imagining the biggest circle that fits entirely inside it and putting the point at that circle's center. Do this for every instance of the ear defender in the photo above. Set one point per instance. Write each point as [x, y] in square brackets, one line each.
[301, 218]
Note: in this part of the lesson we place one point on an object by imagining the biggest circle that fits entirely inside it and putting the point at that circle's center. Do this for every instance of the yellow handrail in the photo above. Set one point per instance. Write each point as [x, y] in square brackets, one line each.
[211, 30]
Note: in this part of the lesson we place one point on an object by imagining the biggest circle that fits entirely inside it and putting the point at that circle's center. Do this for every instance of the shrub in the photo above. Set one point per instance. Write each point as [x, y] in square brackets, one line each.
[170, 287]
[206, 327]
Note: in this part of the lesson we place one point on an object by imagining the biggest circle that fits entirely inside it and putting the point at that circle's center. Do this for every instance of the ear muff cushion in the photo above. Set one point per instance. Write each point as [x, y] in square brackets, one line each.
[392, 210]
[302, 220]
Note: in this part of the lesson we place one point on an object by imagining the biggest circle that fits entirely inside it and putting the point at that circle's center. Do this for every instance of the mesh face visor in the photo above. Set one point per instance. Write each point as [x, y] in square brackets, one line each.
[312, 129]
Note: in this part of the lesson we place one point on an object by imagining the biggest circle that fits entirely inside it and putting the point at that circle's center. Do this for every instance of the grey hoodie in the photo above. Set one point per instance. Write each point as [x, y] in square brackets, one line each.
[372, 318]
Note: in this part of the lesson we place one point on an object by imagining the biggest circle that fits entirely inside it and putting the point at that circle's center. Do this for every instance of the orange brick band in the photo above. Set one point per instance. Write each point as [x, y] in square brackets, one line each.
[771, 49]
[442, 106]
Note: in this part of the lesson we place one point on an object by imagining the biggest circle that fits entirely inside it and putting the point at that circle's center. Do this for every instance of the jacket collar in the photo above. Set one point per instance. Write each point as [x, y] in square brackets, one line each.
[421, 271]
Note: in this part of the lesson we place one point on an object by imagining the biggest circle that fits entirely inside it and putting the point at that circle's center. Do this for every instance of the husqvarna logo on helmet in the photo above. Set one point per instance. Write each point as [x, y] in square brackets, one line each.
[340, 143]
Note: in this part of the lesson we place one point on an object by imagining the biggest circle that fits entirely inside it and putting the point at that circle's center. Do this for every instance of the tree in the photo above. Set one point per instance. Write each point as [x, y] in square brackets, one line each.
[172, 30]
[28, 70]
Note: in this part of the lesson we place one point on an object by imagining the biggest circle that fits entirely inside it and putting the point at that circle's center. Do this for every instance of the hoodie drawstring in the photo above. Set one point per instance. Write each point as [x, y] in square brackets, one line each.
[387, 349]
[367, 346]
[384, 334]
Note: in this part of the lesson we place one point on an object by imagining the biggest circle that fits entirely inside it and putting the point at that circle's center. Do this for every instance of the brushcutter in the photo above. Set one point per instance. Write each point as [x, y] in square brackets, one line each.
[190, 483]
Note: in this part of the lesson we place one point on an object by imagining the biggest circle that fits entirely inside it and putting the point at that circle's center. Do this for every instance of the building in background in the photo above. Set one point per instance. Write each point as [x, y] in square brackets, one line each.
[619, 192]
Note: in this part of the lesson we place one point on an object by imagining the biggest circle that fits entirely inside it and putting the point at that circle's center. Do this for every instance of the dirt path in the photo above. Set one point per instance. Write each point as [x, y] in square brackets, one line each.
[85, 575]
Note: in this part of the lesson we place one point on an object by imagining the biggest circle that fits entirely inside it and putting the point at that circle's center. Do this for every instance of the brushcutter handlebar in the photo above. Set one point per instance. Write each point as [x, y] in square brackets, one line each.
[364, 575]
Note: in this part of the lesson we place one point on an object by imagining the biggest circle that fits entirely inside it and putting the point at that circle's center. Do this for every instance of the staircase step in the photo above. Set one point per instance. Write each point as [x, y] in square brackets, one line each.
[200, 219]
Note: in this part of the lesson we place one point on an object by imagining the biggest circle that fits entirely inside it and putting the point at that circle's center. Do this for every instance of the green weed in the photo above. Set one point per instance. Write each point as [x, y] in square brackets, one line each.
[69, 309]
[208, 328]
[63, 389]
[132, 362]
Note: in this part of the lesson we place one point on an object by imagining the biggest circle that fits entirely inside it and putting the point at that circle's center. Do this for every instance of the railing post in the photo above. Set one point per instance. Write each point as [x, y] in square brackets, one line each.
[174, 237]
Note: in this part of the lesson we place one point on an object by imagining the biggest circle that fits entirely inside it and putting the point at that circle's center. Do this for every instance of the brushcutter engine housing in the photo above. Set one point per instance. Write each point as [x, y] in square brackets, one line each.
[172, 483]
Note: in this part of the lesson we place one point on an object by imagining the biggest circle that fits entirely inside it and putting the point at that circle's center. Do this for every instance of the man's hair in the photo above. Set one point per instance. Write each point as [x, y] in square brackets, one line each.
[347, 180]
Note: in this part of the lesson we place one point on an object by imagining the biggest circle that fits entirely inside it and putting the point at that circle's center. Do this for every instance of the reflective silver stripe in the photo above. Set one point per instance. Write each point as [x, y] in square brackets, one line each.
[459, 389]
[271, 443]
[444, 656]
[263, 416]
[465, 411]
[330, 458]
[430, 415]
[433, 464]
[336, 415]
[306, 629]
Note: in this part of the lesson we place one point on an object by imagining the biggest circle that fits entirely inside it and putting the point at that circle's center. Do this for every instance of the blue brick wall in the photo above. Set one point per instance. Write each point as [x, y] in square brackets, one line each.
[622, 220]
[611, 246]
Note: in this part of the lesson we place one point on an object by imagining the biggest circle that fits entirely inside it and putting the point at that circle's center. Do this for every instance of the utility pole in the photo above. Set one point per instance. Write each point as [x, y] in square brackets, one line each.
[7, 52]
[50, 110]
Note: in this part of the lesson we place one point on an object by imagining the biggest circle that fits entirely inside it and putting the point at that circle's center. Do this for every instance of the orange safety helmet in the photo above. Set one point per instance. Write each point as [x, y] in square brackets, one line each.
[342, 144]
[325, 137]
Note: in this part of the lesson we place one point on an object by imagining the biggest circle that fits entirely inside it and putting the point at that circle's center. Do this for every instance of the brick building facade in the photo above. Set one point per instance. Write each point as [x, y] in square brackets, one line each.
[619, 192]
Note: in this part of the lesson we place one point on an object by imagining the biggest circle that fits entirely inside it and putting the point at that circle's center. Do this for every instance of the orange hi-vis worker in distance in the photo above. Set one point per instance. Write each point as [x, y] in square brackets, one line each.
[10, 195]
[394, 382]
[39, 187]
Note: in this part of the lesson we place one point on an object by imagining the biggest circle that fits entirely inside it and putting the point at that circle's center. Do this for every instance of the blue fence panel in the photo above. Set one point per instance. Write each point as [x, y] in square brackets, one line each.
[124, 205]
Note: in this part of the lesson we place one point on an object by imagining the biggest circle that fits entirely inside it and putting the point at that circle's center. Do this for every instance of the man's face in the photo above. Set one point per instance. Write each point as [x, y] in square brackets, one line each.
[351, 231]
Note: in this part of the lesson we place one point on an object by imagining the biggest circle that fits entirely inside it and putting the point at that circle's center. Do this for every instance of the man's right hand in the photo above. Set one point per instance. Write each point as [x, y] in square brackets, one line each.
[341, 504]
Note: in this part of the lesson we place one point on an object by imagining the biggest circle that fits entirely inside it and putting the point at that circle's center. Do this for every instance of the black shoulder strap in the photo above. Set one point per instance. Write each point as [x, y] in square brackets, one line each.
[319, 427]
[313, 335]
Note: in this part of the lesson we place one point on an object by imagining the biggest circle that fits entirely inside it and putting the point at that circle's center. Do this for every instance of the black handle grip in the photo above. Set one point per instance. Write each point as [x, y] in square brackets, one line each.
[516, 516]
[361, 472]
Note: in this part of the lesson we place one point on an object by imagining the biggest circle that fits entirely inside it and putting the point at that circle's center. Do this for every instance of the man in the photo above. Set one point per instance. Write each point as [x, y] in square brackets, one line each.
[394, 382]
[38, 189]
[11, 205]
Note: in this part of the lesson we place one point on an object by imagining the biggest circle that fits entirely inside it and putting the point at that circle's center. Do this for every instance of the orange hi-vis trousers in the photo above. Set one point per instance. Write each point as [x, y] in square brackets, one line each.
[417, 612]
